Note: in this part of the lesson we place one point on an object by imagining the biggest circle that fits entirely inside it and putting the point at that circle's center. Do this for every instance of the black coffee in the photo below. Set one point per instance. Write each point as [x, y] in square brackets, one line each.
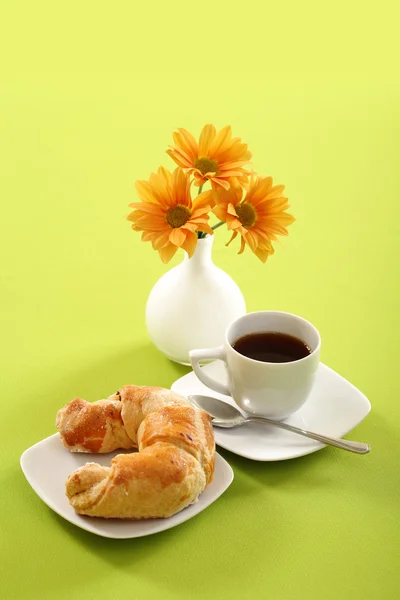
[272, 346]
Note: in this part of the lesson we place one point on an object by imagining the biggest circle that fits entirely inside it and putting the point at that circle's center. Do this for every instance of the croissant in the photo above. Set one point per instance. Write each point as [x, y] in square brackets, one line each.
[108, 425]
[174, 464]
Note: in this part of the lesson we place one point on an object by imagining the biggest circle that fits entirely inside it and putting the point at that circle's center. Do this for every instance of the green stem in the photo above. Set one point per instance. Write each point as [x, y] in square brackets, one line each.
[200, 234]
[218, 225]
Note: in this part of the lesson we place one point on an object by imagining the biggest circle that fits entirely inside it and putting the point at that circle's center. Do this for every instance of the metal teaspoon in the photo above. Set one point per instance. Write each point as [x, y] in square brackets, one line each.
[227, 416]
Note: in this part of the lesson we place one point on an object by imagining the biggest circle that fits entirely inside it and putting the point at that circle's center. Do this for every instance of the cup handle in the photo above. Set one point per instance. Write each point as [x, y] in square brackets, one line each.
[206, 353]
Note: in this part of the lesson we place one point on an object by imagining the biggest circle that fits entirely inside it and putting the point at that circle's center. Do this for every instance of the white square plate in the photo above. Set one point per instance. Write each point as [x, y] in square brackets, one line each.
[47, 464]
[334, 408]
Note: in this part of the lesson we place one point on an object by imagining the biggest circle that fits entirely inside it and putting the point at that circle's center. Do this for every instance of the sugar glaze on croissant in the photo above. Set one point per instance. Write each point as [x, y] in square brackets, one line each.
[174, 464]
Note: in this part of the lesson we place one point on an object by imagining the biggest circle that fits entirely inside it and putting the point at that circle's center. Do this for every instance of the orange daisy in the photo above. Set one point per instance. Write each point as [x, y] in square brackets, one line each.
[216, 158]
[259, 217]
[167, 215]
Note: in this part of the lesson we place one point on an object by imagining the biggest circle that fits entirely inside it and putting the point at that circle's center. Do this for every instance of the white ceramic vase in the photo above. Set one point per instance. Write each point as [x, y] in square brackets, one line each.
[192, 305]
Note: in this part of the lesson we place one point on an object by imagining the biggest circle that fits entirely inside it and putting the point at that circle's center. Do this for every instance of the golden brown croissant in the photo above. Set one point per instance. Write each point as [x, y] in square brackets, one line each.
[174, 464]
[108, 425]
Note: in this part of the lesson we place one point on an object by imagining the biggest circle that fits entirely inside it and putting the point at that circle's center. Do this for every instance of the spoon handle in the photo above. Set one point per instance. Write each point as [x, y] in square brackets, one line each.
[357, 447]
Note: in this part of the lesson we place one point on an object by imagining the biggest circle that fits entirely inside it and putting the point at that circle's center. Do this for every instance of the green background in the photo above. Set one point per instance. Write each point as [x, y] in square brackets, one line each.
[89, 95]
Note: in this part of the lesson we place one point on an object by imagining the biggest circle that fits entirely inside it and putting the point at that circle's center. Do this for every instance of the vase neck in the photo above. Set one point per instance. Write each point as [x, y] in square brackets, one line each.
[202, 253]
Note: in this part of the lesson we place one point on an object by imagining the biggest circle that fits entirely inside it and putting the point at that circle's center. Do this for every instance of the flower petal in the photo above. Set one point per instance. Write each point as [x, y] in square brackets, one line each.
[242, 245]
[235, 224]
[231, 210]
[189, 226]
[236, 151]
[276, 191]
[206, 137]
[181, 188]
[167, 252]
[152, 223]
[259, 188]
[147, 236]
[222, 182]
[274, 228]
[189, 245]
[221, 141]
[144, 191]
[283, 218]
[276, 205]
[200, 213]
[252, 240]
[160, 188]
[220, 212]
[179, 157]
[205, 228]
[263, 254]
[232, 165]
[203, 200]
[234, 234]
[198, 178]
[185, 140]
[160, 240]
[177, 236]
[147, 207]
[229, 174]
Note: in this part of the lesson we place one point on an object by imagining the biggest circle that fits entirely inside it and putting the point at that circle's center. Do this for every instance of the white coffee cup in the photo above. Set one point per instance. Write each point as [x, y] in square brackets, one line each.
[274, 390]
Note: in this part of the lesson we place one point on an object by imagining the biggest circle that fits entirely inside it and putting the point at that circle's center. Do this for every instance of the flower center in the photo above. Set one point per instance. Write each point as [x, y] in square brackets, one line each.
[206, 165]
[246, 214]
[177, 216]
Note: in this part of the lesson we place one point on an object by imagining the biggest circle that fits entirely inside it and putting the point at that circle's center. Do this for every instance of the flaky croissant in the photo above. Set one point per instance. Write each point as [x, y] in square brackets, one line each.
[174, 464]
[108, 425]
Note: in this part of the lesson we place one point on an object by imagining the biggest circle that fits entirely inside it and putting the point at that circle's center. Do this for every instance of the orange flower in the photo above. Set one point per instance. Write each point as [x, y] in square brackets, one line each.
[217, 157]
[167, 215]
[258, 218]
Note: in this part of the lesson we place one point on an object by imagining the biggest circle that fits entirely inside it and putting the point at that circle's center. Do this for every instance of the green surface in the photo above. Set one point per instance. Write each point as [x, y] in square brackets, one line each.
[89, 97]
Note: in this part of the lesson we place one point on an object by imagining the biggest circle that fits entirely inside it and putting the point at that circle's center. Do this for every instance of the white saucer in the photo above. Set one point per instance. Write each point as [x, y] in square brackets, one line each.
[334, 408]
[47, 464]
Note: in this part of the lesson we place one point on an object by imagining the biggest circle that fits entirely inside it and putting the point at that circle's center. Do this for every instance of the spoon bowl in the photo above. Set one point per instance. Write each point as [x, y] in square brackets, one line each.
[219, 410]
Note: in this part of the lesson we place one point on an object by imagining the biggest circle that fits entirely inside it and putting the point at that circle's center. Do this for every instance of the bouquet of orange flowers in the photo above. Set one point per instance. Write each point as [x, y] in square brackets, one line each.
[249, 205]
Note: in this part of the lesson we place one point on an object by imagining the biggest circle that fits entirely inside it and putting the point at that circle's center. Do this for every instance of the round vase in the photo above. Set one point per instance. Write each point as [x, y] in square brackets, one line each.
[192, 305]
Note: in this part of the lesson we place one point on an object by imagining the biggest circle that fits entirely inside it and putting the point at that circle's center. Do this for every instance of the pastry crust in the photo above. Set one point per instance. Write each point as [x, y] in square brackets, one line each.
[174, 464]
[108, 425]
